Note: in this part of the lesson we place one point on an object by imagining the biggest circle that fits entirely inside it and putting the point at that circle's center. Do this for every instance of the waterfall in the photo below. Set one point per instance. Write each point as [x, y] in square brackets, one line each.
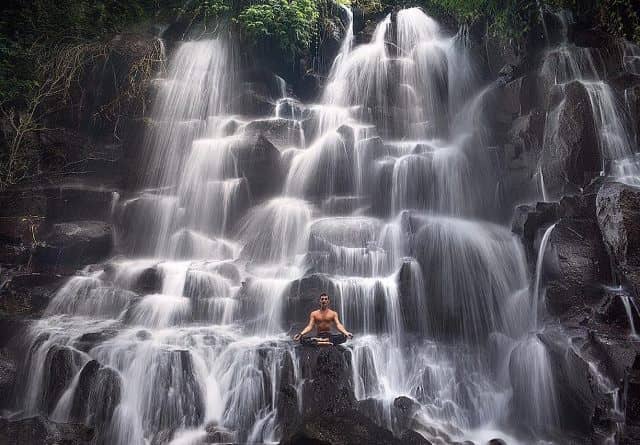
[384, 189]
[611, 115]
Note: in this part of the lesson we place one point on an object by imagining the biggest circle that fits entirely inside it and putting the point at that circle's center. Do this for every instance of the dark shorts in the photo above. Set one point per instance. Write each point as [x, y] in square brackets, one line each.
[336, 339]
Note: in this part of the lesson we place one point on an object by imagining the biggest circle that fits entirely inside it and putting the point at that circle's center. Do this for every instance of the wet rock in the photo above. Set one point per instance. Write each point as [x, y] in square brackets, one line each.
[148, 282]
[22, 201]
[28, 294]
[631, 386]
[61, 364]
[350, 428]
[74, 244]
[7, 379]
[618, 213]
[41, 431]
[328, 385]
[258, 160]
[574, 383]
[217, 434]
[265, 83]
[97, 395]
[404, 408]
[183, 407]
[572, 156]
[529, 220]
[526, 132]
[496, 442]
[579, 265]
[78, 203]
[304, 297]
[280, 132]
[90, 339]
[343, 205]
[252, 103]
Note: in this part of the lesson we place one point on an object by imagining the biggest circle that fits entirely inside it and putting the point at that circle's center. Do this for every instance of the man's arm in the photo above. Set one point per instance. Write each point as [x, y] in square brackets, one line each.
[309, 328]
[341, 328]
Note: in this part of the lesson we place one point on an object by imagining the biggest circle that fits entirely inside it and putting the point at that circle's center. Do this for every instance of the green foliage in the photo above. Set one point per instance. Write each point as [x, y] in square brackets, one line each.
[289, 24]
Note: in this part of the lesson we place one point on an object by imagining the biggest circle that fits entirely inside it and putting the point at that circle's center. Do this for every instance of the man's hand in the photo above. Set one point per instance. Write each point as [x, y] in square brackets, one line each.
[296, 337]
[349, 335]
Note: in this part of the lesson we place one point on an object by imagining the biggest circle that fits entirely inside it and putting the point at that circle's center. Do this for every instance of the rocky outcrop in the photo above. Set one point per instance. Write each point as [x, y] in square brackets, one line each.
[618, 213]
[330, 414]
[7, 379]
[571, 155]
[96, 396]
[72, 244]
[579, 265]
[258, 160]
[41, 431]
[304, 297]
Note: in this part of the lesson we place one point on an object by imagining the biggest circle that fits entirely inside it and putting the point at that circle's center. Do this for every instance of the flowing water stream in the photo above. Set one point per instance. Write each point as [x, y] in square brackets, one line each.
[385, 196]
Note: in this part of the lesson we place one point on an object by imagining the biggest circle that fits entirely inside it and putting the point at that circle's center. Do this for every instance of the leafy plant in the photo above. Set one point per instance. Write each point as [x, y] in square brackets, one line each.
[289, 24]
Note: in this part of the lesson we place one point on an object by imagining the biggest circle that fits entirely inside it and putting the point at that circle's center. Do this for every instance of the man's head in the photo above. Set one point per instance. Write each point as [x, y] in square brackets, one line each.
[324, 301]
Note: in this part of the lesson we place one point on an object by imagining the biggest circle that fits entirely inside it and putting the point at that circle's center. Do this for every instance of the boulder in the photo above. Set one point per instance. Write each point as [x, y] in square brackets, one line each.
[96, 396]
[79, 203]
[579, 267]
[61, 364]
[251, 103]
[618, 214]
[73, 244]
[350, 428]
[570, 156]
[42, 431]
[304, 297]
[282, 133]
[330, 414]
[529, 220]
[258, 160]
[328, 385]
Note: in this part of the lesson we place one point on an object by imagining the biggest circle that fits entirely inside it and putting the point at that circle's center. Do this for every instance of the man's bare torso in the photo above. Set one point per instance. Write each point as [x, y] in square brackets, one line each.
[324, 319]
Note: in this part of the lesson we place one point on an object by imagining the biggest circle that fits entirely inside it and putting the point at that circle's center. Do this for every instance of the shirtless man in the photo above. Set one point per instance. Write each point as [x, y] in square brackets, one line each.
[323, 320]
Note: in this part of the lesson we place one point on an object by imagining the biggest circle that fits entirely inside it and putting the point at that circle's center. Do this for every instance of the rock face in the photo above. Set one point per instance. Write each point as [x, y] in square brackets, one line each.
[618, 212]
[74, 244]
[41, 431]
[329, 409]
[579, 267]
[258, 160]
[571, 155]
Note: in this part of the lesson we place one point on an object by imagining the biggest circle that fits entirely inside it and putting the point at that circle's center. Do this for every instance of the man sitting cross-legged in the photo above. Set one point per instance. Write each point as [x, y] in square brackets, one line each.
[323, 320]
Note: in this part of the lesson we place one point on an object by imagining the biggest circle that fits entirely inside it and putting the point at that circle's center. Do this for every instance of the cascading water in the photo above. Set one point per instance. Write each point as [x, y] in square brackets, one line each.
[611, 114]
[383, 193]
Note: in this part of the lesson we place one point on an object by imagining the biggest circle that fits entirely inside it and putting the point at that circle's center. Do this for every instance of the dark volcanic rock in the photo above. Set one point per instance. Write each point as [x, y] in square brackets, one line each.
[618, 212]
[330, 414]
[580, 266]
[528, 220]
[304, 297]
[7, 379]
[350, 428]
[28, 294]
[572, 156]
[325, 368]
[61, 364]
[41, 431]
[97, 395]
[632, 406]
[258, 160]
[282, 133]
[77, 203]
[74, 244]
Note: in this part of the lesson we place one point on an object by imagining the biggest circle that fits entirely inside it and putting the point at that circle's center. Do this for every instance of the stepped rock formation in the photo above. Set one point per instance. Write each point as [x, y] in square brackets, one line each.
[153, 299]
